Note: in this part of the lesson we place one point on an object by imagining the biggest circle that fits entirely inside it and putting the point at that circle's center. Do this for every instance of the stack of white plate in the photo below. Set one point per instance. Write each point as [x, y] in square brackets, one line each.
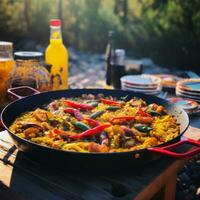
[145, 83]
[189, 88]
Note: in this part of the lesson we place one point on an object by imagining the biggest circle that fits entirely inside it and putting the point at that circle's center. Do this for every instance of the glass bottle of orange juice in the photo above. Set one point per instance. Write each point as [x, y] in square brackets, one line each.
[56, 56]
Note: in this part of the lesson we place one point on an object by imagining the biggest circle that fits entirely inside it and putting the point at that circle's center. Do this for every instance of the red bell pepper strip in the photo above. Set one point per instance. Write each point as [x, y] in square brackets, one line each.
[50, 134]
[111, 102]
[92, 122]
[77, 105]
[56, 131]
[90, 132]
[75, 112]
[143, 113]
[62, 133]
[121, 119]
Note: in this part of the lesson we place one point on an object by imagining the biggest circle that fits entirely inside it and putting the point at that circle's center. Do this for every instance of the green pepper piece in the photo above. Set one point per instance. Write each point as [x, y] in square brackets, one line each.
[94, 104]
[97, 114]
[113, 108]
[142, 128]
[66, 126]
[81, 126]
[154, 113]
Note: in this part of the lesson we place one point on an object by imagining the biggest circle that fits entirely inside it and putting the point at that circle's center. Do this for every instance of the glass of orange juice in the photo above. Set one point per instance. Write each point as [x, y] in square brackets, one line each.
[6, 68]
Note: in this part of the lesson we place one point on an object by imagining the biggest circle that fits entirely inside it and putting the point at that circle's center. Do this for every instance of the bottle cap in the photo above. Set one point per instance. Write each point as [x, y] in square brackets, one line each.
[28, 55]
[120, 53]
[119, 56]
[55, 22]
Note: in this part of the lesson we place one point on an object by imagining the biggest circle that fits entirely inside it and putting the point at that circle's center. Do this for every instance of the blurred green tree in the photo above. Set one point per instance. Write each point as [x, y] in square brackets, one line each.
[166, 30]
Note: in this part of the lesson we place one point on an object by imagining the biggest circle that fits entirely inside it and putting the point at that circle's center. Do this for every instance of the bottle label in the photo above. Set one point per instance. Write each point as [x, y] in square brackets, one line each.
[58, 78]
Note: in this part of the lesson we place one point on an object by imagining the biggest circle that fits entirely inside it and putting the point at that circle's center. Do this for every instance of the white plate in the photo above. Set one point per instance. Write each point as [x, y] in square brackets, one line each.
[146, 92]
[187, 92]
[141, 80]
[191, 85]
[145, 87]
[159, 88]
[188, 96]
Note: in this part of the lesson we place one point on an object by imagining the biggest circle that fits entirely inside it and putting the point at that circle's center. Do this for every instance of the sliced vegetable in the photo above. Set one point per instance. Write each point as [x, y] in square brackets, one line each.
[66, 126]
[122, 119]
[82, 126]
[63, 134]
[104, 138]
[75, 112]
[128, 132]
[142, 127]
[94, 104]
[110, 102]
[97, 114]
[50, 134]
[92, 122]
[113, 108]
[57, 131]
[154, 113]
[53, 122]
[91, 132]
[143, 113]
[31, 124]
[77, 105]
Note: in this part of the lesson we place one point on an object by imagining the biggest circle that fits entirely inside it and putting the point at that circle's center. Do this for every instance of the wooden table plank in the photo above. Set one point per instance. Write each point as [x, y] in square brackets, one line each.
[5, 174]
[170, 189]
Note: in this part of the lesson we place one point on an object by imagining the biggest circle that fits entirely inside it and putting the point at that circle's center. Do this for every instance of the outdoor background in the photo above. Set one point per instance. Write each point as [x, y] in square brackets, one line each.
[167, 31]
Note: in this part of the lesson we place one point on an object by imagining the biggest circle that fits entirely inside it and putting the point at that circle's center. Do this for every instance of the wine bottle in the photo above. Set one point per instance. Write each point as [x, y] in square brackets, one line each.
[109, 56]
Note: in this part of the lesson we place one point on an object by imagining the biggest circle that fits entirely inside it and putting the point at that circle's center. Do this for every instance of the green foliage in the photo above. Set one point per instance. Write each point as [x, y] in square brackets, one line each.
[166, 30]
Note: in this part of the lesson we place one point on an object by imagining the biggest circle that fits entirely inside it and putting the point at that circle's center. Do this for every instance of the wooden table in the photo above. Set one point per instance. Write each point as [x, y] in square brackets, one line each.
[22, 178]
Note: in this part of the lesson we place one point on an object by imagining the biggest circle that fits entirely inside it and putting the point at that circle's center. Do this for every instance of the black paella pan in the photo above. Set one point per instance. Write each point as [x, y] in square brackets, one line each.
[92, 160]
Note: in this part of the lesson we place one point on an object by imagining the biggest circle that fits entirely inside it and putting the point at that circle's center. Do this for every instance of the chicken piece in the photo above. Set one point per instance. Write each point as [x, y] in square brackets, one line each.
[144, 120]
[151, 142]
[31, 132]
[94, 147]
[157, 108]
[40, 115]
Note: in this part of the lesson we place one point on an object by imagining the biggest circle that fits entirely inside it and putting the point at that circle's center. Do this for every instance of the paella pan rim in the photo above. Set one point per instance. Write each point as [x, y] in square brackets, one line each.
[91, 91]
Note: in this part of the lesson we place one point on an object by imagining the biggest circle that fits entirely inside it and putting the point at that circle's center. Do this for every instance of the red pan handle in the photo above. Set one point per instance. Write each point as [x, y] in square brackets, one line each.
[166, 149]
[21, 92]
